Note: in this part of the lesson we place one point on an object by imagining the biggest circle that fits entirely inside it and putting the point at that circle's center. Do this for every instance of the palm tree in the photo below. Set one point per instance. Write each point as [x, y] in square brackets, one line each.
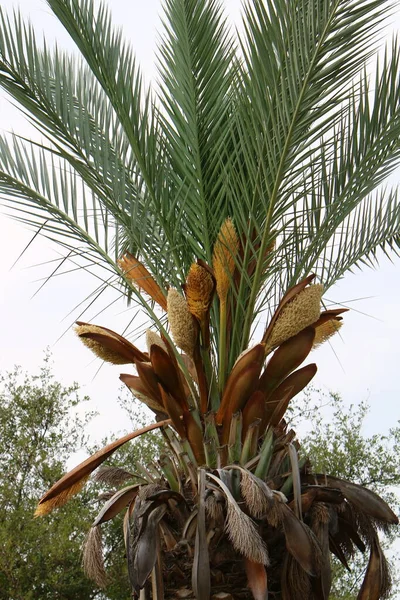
[254, 167]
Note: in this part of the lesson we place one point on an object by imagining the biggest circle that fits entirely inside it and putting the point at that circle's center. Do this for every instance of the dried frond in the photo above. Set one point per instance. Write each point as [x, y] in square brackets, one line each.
[199, 291]
[320, 513]
[153, 339]
[303, 310]
[257, 495]
[244, 536]
[112, 476]
[74, 480]
[326, 330]
[301, 543]
[274, 514]
[214, 504]
[46, 507]
[377, 580]
[92, 557]
[295, 582]
[225, 251]
[148, 490]
[114, 505]
[365, 501]
[240, 528]
[181, 322]
[105, 496]
[134, 270]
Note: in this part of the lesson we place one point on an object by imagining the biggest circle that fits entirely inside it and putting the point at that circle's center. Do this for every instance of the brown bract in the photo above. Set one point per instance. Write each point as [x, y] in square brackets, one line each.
[108, 345]
[134, 270]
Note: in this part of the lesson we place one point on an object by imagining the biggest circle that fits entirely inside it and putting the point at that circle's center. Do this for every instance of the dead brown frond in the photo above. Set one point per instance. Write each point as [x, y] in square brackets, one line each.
[112, 476]
[148, 490]
[92, 557]
[301, 543]
[295, 582]
[320, 513]
[241, 529]
[105, 496]
[257, 495]
[73, 481]
[377, 580]
[214, 504]
[244, 536]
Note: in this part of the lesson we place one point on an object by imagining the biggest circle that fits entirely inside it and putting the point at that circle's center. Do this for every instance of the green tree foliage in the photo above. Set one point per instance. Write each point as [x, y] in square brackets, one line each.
[339, 446]
[41, 558]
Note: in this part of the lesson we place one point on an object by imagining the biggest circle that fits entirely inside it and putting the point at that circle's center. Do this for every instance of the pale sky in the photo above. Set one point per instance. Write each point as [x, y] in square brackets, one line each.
[362, 363]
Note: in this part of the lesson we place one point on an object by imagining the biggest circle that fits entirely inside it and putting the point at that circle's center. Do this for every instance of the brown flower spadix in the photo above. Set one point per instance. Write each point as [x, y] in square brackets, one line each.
[225, 251]
[299, 313]
[199, 290]
[181, 322]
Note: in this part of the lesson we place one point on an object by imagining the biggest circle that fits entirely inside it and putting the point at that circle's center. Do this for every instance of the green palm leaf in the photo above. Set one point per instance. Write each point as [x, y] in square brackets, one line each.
[278, 132]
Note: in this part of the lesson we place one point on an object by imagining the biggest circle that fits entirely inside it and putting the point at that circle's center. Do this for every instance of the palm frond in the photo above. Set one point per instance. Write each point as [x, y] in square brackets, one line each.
[302, 82]
[197, 66]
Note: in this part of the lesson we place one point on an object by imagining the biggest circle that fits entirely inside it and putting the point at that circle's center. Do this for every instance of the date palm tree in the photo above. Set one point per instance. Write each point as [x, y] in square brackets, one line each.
[254, 167]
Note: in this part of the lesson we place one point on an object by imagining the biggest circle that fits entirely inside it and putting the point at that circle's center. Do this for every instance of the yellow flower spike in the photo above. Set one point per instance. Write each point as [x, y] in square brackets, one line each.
[153, 339]
[199, 291]
[303, 310]
[326, 330]
[109, 345]
[226, 249]
[181, 321]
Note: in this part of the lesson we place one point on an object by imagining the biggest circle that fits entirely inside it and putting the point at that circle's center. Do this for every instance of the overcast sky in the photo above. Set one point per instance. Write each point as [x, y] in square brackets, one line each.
[362, 364]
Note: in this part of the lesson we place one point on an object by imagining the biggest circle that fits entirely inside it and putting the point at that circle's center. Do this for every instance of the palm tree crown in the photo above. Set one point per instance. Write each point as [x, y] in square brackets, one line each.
[252, 169]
